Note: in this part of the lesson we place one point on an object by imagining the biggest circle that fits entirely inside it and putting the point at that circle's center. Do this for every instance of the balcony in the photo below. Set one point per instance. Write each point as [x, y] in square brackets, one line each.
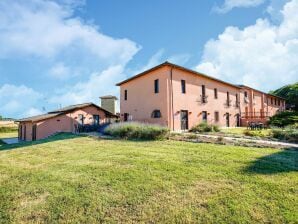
[255, 115]
[228, 103]
[237, 104]
[202, 99]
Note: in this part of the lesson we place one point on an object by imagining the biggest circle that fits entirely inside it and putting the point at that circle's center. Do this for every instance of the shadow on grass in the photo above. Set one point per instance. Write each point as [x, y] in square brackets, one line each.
[58, 137]
[279, 162]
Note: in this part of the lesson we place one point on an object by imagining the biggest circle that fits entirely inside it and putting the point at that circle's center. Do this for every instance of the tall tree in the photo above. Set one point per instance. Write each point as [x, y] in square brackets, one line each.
[290, 93]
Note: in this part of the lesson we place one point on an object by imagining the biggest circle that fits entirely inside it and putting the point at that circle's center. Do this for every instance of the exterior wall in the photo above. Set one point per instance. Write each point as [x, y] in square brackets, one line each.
[62, 123]
[170, 100]
[192, 102]
[109, 105]
[141, 99]
[25, 131]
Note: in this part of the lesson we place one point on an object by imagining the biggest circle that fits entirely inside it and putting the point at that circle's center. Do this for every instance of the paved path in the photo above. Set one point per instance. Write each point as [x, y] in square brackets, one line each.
[10, 140]
[251, 140]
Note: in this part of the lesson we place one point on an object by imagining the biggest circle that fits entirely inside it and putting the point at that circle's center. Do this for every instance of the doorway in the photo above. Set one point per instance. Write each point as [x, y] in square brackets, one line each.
[184, 119]
[34, 127]
[227, 119]
[238, 123]
[125, 116]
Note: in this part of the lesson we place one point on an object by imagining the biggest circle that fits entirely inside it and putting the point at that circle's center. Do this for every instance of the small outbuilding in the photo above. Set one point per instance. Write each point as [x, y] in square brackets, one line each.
[68, 119]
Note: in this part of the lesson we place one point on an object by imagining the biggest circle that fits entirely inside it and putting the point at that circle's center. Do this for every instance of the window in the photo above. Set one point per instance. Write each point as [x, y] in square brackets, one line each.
[125, 94]
[275, 101]
[216, 116]
[204, 116]
[278, 102]
[245, 94]
[156, 114]
[156, 86]
[183, 89]
[203, 94]
[271, 101]
[215, 93]
[228, 99]
[237, 101]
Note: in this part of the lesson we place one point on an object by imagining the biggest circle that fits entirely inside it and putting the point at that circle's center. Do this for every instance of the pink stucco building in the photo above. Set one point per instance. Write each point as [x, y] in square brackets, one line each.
[177, 97]
[67, 119]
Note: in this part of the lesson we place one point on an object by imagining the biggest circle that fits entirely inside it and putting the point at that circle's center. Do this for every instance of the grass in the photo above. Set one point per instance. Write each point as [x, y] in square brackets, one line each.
[240, 131]
[69, 179]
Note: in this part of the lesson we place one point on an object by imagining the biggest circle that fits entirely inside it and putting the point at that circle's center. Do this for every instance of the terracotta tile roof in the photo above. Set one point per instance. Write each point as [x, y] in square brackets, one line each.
[39, 117]
[177, 67]
[109, 97]
[63, 110]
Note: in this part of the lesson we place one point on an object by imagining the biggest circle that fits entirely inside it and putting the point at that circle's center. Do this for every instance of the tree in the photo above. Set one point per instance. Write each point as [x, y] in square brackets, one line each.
[290, 93]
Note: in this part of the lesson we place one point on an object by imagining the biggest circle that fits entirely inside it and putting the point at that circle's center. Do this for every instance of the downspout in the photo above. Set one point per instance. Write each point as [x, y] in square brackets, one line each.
[172, 100]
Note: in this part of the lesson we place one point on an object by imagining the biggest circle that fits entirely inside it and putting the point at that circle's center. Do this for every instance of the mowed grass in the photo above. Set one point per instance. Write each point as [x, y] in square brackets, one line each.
[69, 179]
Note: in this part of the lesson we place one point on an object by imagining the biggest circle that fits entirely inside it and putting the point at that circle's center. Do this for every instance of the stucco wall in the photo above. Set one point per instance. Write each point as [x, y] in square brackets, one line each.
[62, 123]
[191, 100]
[141, 99]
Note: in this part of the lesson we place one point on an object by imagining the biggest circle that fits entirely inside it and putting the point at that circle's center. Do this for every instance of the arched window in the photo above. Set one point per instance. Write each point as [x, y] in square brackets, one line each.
[156, 114]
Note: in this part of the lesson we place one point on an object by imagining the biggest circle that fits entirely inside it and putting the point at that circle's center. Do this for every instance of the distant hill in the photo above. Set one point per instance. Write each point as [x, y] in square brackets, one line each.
[290, 93]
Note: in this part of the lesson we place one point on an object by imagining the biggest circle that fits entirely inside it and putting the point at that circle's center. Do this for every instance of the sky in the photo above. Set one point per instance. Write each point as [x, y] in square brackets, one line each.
[59, 52]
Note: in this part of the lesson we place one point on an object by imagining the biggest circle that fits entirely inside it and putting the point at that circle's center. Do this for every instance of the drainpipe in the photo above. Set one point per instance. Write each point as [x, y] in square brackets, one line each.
[172, 100]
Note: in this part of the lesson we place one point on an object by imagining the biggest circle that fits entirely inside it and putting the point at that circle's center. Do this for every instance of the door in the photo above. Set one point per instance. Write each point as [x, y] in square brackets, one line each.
[204, 116]
[21, 132]
[238, 120]
[125, 116]
[81, 119]
[95, 119]
[227, 119]
[184, 119]
[25, 133]
[34, 127]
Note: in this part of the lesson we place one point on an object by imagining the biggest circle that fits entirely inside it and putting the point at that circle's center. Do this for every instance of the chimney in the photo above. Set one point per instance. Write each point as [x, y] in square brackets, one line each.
[109, 103]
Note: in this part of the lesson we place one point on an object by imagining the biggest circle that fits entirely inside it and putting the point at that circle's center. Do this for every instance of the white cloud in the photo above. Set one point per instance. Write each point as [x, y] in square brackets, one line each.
[230, 4]
[60, 71]
[63, 46]
[98, 84]
[17, 99]
[46, 29]
[263, 55]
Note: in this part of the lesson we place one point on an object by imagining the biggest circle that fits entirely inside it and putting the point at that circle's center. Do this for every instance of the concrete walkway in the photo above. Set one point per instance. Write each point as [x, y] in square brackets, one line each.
[10, 140]
[251, 140]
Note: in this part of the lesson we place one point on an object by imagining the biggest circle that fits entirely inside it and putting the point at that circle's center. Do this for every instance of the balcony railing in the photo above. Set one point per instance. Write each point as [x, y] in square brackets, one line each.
[237, 104]
[202, 99]
[250, 115]
[228, 103]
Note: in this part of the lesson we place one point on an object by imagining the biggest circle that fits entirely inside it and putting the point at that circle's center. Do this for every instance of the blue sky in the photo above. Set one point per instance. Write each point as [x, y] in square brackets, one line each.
[59, 52]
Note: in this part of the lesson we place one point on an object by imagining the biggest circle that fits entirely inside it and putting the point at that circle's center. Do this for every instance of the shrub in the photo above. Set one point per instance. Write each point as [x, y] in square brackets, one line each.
[284, 119]
[204, 127]
[255, 133]
[7, 129]
[135, 130]
[288, 134]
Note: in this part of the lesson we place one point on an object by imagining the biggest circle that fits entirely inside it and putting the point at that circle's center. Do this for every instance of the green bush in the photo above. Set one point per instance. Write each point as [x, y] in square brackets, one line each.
[283, 119]
[204, 127]
[5, 129]
[288, 134]
[255, 133]
[135, 130]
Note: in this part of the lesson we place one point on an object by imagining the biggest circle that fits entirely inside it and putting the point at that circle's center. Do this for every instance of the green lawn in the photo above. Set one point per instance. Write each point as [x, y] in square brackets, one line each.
[69, 179]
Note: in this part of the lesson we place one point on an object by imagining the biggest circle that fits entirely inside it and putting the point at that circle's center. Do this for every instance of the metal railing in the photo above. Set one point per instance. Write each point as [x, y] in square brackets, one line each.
[250, 115]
